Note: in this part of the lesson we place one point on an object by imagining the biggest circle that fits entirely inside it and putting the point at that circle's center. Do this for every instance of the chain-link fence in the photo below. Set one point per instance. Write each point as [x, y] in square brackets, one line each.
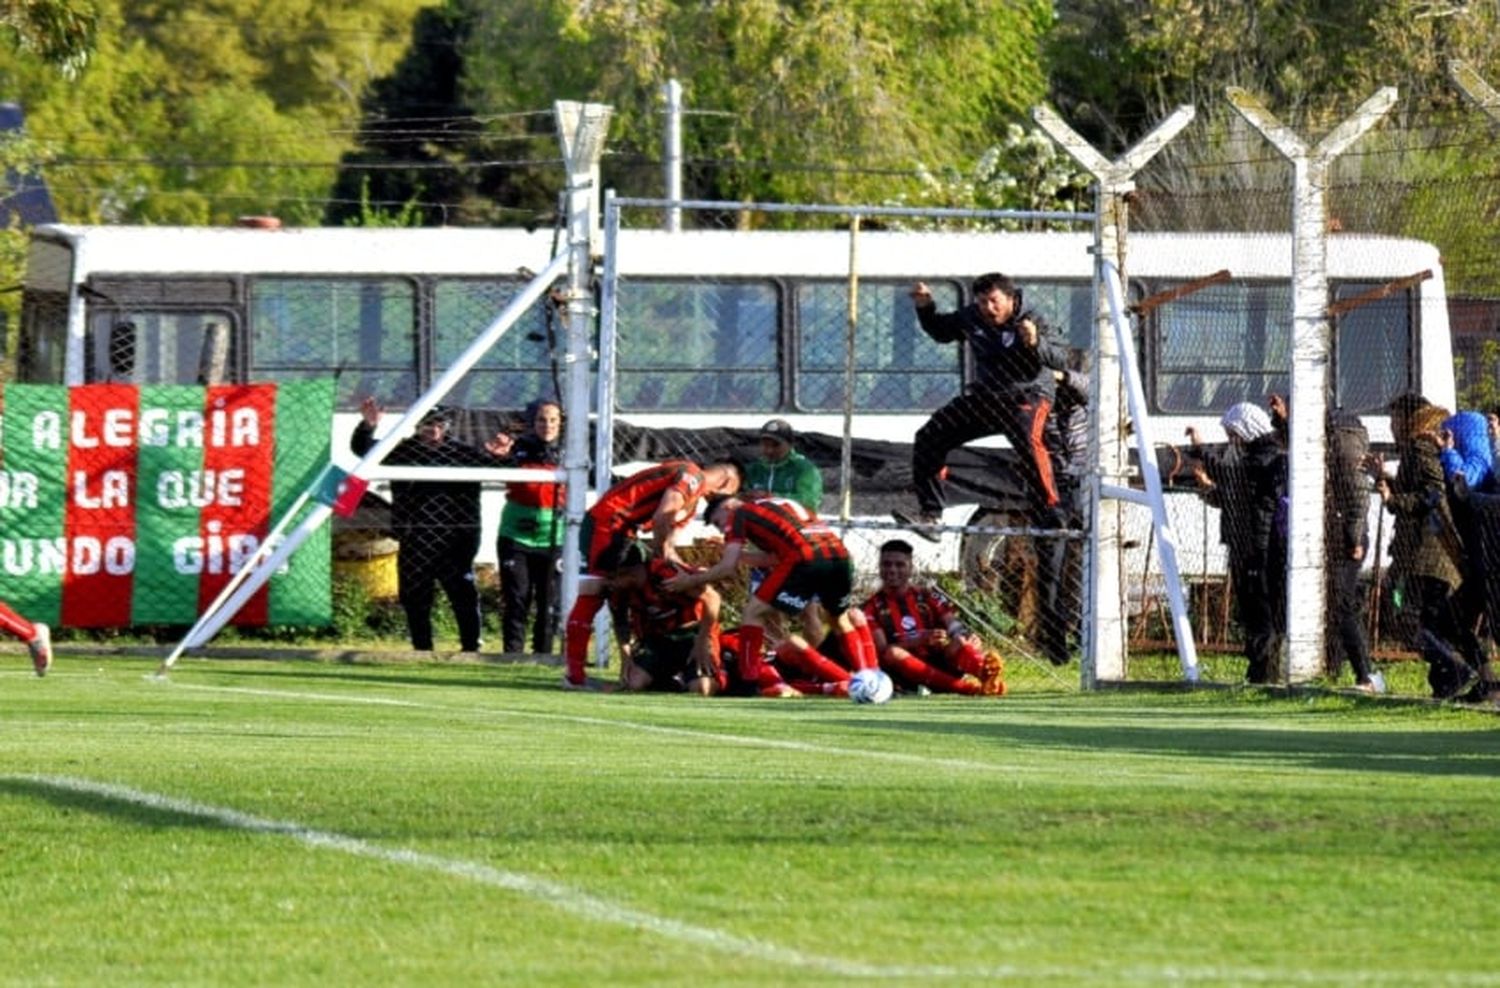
[802, 348]
[750, 315]
[1276, 315]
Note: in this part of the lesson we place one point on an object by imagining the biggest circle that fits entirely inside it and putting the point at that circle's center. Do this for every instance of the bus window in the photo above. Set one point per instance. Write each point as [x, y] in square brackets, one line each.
[519, 367]
[143, 346]
[897, 368]
[44, 337]
[1068, 307]
[1373, 350]
[697, 346]
[1222, 344]
[362, 330]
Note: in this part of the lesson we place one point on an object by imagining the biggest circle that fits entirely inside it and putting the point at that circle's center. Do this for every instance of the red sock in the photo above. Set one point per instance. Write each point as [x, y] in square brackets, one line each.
[970, 660]
[913, 669]
[16, 624]
[859, 647]
[810, 662]
[769, 682]
[814, 687]
[576, 636]
[752, 644]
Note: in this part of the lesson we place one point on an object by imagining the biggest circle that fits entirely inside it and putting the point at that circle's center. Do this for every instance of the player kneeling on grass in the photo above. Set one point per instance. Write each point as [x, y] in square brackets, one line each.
[918, 634]
[807, 565]
[669, 639]
[658, 500]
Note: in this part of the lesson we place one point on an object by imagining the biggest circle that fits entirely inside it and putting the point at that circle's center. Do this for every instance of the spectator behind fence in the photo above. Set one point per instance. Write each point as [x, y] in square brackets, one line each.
[1060, 561]
[1346, 503]
[1245, 482]
[781, 470]
[436, 522]
[1426, 554]
[1347, 544]
[1469, 469]
[529, 544]
[1012, 395]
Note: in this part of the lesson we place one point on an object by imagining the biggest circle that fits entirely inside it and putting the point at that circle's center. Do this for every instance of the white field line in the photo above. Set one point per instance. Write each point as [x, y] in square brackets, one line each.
[1153, 775]
[593, 908]
[634, 727]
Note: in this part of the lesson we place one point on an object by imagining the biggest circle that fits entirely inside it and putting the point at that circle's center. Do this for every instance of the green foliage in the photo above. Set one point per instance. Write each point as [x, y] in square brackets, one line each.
[1118, 66]
[1025, 172]
[197, 112]
[804, 102]
[373, 214]
[1484, 389]
[60, 33]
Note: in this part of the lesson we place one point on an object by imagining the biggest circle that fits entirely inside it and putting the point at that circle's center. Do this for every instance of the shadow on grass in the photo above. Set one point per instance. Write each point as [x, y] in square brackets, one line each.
[1474, 754]
[118, 805]
[373, 674]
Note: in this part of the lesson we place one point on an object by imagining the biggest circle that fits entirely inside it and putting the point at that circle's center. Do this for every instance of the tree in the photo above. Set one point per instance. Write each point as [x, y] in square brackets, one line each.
[60, 33]
[1119, 66]
[1026, 171]
[196, 111]
[821, 100]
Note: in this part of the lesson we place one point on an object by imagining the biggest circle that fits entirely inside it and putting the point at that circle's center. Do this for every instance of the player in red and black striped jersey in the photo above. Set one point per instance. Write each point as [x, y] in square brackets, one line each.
[919, 636]
[659, 499]
[808, 566]
[669, 639]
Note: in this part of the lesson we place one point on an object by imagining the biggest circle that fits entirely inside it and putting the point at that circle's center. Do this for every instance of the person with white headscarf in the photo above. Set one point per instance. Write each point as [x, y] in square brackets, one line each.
[1245, 481]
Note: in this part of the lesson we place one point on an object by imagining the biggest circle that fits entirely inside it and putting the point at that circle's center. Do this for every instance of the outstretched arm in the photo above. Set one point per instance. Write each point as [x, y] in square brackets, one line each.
[728, 563]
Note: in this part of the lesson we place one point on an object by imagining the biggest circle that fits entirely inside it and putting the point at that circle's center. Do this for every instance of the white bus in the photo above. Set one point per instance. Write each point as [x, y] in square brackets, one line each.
[716, 329]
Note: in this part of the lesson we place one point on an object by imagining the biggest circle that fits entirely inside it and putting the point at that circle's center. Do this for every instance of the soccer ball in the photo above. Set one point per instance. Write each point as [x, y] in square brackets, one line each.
[870, 686]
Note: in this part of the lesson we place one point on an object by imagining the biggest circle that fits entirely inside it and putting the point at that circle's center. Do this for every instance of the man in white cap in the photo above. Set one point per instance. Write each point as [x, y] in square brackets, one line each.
[781, 471]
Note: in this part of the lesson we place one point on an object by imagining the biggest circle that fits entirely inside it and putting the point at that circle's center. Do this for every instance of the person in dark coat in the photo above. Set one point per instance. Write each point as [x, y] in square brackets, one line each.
[1060, 560]
[1467, 455]
[1346, 503]
[1245, 482]
[1012, 394]
[1426, 554]
[436, 522]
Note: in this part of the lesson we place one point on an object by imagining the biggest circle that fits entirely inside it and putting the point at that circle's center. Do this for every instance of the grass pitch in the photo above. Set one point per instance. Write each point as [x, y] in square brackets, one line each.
[297, 823]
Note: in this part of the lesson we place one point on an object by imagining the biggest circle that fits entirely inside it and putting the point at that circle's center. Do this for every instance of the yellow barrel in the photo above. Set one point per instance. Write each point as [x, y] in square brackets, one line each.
[367, 560]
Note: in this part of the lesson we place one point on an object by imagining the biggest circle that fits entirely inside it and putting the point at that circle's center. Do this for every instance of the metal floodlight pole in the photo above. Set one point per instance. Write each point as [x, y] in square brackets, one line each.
[1312, 345]
[851, 326]
[582, 128]
[672, 153]
[1105, 643]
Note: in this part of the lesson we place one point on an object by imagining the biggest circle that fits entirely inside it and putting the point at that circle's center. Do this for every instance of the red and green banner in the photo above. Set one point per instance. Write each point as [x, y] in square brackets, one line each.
[124, 505]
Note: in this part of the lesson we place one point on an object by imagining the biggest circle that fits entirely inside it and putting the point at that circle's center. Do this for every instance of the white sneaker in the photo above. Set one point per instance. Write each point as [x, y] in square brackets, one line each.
[40, 648]
[1377, 681]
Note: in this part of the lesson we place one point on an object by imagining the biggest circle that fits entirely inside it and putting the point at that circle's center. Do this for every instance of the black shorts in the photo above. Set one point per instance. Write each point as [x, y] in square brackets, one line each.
[791, 589]
[603, 548]
[668, 661]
